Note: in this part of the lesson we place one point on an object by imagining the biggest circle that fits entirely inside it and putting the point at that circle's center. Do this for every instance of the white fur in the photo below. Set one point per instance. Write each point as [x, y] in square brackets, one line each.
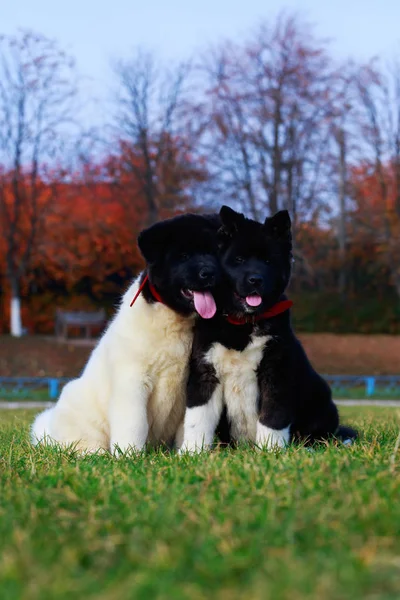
[132, 390]
[237, 373]
[272, 438]
[201, 422]
[238, 389]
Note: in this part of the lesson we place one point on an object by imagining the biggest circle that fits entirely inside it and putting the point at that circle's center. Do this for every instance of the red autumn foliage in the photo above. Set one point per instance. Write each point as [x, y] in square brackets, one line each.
[86, 250]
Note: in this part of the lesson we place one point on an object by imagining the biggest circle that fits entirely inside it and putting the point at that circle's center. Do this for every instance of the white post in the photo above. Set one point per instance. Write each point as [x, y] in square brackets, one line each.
[15, 314]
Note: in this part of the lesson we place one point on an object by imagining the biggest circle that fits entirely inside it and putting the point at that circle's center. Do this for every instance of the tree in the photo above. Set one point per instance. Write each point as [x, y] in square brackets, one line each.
[379, 93]
[36, 106]
[88, 238]
[270, 102]
[155, 149]
[341, 121]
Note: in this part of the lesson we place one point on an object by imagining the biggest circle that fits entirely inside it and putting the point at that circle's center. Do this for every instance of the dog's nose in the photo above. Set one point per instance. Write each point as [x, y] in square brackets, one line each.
[255, 280]
[207, 274]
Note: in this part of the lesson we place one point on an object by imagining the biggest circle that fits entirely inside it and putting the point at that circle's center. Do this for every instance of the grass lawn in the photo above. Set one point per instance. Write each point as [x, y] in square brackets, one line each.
[226, 525]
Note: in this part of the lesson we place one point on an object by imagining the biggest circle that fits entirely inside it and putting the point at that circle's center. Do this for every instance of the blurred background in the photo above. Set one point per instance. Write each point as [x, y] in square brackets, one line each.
[113, 116]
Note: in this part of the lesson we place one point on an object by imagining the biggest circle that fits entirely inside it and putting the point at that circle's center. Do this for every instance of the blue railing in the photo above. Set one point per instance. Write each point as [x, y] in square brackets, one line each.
[369, 384]
[28, 387]
[50, 387]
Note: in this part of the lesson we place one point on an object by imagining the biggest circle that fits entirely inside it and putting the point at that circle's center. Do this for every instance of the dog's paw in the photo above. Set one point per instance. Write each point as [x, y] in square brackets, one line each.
[120, 450]
[348, 442]
[192, 448]
[91, 452]
[272, 439]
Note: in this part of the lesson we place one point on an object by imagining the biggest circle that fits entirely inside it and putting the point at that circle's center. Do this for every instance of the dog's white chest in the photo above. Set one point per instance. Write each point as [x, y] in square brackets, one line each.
[166, 404]
[237, 373]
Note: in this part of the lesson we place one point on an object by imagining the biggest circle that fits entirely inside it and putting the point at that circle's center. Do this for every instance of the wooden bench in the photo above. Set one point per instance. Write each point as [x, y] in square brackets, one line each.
[78, 319]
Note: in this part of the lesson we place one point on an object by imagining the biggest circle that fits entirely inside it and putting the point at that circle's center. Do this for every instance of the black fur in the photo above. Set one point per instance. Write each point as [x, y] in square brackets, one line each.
[181, 256]
[256, 260]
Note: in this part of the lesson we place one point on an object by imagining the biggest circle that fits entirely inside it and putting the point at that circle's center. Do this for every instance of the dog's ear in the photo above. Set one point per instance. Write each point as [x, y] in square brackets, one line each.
[279, 226]
[231, 222]
[152, 242]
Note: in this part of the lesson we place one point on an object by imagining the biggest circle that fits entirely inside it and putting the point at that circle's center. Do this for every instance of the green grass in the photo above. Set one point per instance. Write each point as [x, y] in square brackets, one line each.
[226, 525]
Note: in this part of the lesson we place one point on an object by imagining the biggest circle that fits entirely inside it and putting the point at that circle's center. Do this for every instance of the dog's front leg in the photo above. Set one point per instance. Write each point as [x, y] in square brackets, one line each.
[203, 407]
[276, 405]
[128, 414]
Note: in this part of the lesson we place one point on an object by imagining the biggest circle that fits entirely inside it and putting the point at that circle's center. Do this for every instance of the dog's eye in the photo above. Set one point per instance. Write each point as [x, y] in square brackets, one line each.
[239, 259]
[184, 255]
[267, 261]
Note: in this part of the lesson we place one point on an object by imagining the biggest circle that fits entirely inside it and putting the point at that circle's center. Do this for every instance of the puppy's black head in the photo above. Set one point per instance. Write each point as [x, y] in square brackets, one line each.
[181, 256]
[256, 260]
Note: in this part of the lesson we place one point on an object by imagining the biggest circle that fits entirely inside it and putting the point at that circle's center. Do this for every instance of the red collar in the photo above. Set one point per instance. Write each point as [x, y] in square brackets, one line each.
[277, 309]
[153, 291]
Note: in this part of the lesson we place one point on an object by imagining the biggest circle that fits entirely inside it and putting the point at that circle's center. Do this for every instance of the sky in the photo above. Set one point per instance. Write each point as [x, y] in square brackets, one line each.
[97, 32]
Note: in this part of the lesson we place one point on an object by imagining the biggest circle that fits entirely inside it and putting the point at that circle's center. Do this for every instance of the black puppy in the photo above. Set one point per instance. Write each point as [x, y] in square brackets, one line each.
[182, 265]
[246, 362]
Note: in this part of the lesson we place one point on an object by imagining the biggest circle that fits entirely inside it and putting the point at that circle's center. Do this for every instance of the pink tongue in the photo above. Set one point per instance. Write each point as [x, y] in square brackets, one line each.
[253, 300]
[204, 303]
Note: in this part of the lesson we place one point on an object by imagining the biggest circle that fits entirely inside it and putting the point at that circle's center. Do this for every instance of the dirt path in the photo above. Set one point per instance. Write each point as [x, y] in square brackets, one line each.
[36, 356]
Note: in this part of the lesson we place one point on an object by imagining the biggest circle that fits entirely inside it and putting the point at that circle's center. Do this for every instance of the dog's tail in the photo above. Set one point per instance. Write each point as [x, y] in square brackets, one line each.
[41, 427]
[346, 434]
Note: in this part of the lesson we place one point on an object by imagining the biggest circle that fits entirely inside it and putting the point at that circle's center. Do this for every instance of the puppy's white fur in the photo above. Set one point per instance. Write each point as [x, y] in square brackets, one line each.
[272, 438]
[237, 372]
[132, 390]
[201, 422]
[238, 389]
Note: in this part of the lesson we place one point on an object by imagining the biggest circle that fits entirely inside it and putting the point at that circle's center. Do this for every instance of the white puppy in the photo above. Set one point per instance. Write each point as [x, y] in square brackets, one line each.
[133, 388]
